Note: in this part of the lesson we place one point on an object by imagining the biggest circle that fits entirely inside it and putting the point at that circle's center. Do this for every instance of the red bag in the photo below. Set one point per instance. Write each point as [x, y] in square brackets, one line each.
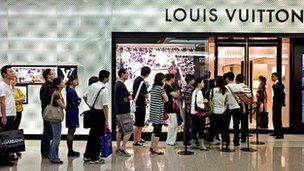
[201, 114]
[166, 116]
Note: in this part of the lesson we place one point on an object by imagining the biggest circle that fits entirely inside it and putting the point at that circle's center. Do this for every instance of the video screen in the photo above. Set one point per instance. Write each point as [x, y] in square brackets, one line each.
[31, 74]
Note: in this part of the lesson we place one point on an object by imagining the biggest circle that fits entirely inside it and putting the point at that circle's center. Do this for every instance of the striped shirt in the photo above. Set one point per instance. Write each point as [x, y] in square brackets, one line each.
[157, 105]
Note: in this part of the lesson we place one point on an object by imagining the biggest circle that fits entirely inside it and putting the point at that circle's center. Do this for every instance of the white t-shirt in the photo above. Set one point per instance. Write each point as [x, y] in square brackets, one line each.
[219, 100]
[7, 92]
[232, 101]
[103, 98]
[199, 100]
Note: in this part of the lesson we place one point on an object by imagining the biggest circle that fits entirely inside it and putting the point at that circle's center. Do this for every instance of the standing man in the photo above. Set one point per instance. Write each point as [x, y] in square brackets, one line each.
[140, 104]
[8, 110]
[172, 94]
[244, 107]
[45, 97]
[123, 117]
[278, 103]
[98, 98]
[234, 107]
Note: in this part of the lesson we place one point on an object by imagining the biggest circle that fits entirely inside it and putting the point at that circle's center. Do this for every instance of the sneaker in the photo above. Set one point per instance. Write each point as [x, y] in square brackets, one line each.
[18, 154]
[123, 153]
[86, 160]
[138, 144]
[155, 153]
[99, 161]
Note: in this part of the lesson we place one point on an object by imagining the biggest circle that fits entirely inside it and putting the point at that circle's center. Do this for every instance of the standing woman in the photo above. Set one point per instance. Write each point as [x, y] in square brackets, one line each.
[72, 113]
[158, 97]
[261, 94]
[198, 120]
[58, 101]
[19, 99]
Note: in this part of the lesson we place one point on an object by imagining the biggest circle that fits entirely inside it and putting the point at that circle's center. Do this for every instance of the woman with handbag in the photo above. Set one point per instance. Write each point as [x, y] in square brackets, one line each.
[72, 113]
[57, 100]
[158, 97]
[218, 118]
[198, 115]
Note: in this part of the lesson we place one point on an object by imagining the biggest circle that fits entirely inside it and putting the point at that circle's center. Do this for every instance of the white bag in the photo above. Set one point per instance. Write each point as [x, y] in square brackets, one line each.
[53, 113]
[133, 103]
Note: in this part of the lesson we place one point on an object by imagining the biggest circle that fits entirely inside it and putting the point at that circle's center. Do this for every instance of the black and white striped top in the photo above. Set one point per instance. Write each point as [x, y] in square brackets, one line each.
[157, 105]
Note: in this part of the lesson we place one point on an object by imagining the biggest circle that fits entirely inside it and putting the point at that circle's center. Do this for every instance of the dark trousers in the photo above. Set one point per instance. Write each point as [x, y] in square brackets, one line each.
[46, 138]
[93, 147]
[219, 125]
[236, 116]
[277, 119]
[17, 120]
[197, 127]
[4, 157]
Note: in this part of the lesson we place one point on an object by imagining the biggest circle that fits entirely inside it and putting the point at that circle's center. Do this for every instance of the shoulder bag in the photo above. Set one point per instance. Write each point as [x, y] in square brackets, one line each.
[53, 113]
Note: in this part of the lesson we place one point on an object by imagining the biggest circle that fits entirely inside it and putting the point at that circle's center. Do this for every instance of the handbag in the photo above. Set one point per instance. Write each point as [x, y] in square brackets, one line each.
[53, 113]
[205, 110]
[133, 103]
[87, 115]
[165, 116]
[106, 144]
[12, 141]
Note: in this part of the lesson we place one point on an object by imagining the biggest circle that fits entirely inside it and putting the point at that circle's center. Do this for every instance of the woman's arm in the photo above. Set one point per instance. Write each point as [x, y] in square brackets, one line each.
[165, 97]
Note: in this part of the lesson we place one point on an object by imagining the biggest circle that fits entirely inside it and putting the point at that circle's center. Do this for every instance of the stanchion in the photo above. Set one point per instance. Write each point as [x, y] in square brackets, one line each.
[186, 128]
[257, 142]
[248, 149]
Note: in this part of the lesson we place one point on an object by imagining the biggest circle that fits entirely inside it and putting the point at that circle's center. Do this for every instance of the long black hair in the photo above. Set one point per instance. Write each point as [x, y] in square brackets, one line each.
[158, 80]
[69, 82]
[220, 82]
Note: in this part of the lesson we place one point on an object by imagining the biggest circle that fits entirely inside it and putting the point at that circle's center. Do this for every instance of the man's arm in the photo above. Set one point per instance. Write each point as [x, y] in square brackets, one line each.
[106, 112]
[3, 110]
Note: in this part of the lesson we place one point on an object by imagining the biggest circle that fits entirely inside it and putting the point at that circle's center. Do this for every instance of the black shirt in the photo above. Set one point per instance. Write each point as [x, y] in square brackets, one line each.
[121, 103]
[169, 104]
[141, 99]
[46, 94]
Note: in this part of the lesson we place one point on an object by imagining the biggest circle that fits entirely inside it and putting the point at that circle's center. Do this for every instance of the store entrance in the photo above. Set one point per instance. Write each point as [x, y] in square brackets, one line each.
[254, 58]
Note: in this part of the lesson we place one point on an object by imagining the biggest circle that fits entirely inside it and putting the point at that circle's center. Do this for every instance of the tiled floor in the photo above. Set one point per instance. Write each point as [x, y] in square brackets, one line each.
[276, 155]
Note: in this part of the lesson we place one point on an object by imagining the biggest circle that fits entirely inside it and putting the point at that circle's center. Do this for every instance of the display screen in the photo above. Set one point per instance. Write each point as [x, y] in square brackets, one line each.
[31, 74]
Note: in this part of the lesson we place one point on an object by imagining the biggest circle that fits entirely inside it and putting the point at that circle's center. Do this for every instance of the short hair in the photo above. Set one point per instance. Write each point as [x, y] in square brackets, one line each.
[45, 73]
[103, 74]
[158, 79]
[230, 76]
[71, 79]
[145, 71]
[189, 77]
[240, 78]
[275, 74]
[4, 70]
[92, 80]
[121, 71]
[197, 81]
[169, 76]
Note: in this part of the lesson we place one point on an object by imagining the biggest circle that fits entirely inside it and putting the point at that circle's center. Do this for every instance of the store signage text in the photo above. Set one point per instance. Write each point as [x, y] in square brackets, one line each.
[235, 15]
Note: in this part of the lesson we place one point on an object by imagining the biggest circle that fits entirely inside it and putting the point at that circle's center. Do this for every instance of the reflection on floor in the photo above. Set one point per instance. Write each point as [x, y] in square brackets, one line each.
[286, 154]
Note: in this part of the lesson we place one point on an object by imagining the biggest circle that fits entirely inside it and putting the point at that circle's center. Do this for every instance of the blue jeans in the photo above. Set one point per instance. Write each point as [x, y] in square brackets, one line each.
[56, 128]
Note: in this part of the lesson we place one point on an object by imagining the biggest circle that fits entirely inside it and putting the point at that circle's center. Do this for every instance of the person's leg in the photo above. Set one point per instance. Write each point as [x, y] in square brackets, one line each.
[70, 139]
[279, 122]
[46, 138]
[201, 130]
[125, 141]
[155, 139]
[17, 120]
[96, 148]
[88, 150]
[56, 128]
[274, 119]
[172, 129]
[226, 124]
[118, 132]
[194, 131]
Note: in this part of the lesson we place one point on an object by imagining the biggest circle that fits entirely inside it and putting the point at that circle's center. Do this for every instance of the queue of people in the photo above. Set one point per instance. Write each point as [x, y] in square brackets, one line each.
[218, 102]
